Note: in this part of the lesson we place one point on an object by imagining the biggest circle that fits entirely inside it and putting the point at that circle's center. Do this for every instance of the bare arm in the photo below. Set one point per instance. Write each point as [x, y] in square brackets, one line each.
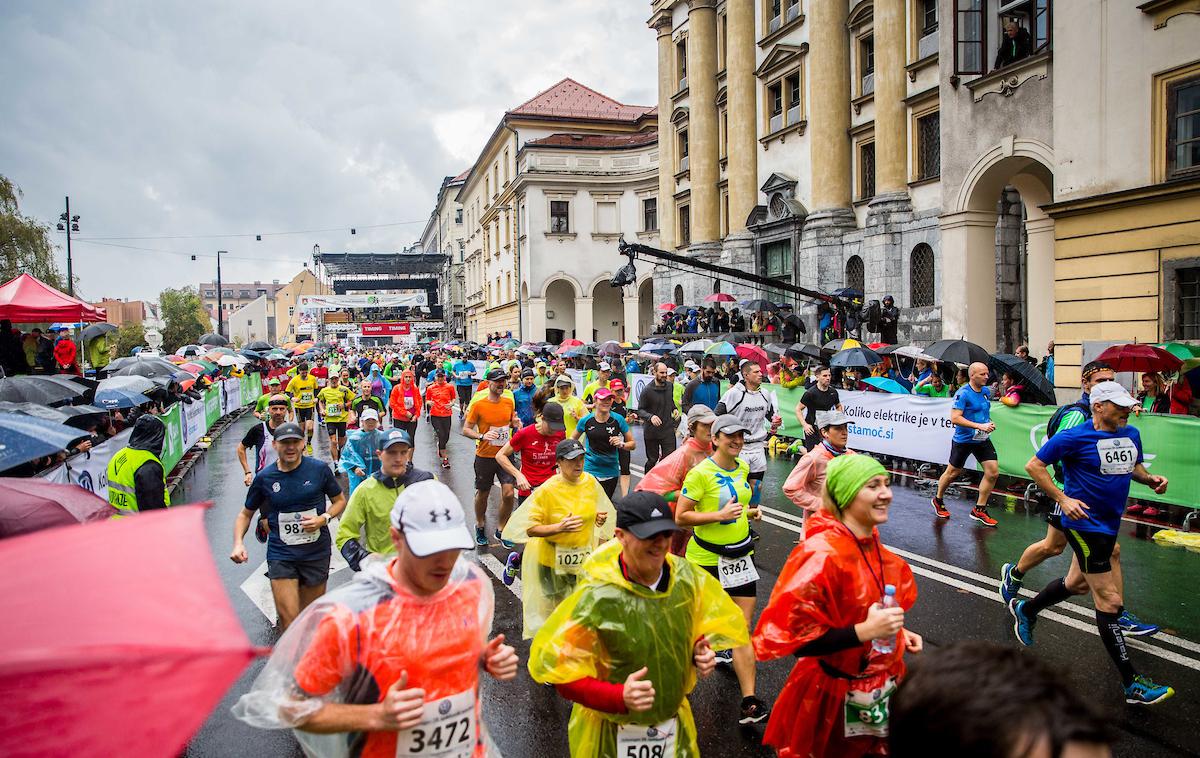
[335, 718]
[687, 515]
[241, 454]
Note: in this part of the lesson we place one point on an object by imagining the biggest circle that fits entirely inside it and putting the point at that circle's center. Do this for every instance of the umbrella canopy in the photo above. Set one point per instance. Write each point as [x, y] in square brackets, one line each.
[720, 348]
[841, 344]
[696, 346]
[30, 505]
[631, 345]
[97, 330]
[1137, 357]
[79, 416]
[886, 385]
[754, 353]
[28, 300]
[1037, 387]
[37, 389]
[906, 351]
[796, 322]
[610, 348]
[189, 350]
[957, 351]
[131, 383]
[720, 297]
[134, 669]
[116, 398]
[259, 345]
[777, 350]
[1181, 350]
[849, 293]
[138, 366]
[232, 360]
[658, 348]
[23, 438]
[213, 339]
[731, 338]
[799, 350]
[759, 305]
[36, 410]
[855, 357]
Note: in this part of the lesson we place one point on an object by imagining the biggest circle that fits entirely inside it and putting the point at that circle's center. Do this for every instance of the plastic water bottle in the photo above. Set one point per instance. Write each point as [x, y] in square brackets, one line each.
[887, 645]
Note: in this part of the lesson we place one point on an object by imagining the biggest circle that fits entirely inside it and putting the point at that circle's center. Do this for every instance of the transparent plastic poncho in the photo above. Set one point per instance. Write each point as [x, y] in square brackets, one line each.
[351, 645]
[609, 627]
[551, 566]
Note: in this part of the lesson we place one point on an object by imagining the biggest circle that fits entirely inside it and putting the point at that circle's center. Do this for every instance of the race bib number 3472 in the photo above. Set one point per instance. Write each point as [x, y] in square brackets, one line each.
[447, 729]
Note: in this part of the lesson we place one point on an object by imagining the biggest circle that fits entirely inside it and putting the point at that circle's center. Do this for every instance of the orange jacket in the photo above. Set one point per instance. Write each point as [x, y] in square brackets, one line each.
[405, 402]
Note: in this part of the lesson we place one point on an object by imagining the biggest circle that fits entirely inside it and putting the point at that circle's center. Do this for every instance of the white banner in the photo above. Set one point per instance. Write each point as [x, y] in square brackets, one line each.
[231, 397]
[906, 426]
[193, 423]
[338, 302]
[90, 470]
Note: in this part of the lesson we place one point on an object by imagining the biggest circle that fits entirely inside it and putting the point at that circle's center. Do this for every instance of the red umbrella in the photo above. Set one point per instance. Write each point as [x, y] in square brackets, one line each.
[1139, 357]
[118, 638]
[717, 297]
[753, 353]
[29, 505]
[666, 306]
[567, 345]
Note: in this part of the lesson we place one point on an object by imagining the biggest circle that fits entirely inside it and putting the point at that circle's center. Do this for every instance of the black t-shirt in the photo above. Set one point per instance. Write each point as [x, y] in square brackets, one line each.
[254, 437]
[598, 432]
[815, 400]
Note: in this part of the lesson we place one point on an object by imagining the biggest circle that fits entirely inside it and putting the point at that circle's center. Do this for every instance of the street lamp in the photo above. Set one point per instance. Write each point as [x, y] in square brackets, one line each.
[68, 223]
[220, 303]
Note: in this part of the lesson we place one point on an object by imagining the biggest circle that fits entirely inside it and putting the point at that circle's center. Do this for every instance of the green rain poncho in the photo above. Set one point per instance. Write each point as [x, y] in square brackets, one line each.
[609, 628]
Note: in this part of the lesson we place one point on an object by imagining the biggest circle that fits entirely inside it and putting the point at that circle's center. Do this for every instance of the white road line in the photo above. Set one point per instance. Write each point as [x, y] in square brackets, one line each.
[258, 587]
[490, 562]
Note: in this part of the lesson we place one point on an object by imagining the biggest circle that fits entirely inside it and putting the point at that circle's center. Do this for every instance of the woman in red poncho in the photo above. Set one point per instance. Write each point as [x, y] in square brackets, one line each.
[65, 354]
[825, 610]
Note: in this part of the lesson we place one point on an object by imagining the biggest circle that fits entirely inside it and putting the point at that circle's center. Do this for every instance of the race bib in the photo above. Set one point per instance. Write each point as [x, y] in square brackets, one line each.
[333, 409]
[567, 560]
[292, 532]
[867, 711]
[639, 741]
[408, 401]
[1118, 456]
[447, 729]
[980, 436]
[502, 435]
[306, 396]
[736, 572]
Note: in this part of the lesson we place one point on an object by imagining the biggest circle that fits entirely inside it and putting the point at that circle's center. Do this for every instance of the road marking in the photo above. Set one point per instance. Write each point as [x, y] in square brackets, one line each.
[258, 587]
[490, 562]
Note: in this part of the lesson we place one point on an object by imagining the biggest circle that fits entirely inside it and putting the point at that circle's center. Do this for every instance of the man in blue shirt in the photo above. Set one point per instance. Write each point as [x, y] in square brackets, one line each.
[971, 415]
[523, 397]
[464, 383]
[1099, 460]
[290, 494]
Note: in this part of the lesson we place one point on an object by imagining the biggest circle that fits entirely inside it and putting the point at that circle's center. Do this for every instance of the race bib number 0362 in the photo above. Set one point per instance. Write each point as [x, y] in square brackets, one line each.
[639, 741]
[447, 729]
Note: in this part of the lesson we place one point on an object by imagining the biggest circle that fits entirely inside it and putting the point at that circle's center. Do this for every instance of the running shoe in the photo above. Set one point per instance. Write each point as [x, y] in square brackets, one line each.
[1134, 626]
[505, 543]
[725, 657]
[753, 710]
[510, 568]
[981, 515]
[1145, 692]
[308, 449]
[939, 508]
[1010, 586]
[1022, 624]
[481, 536]
[445, 463]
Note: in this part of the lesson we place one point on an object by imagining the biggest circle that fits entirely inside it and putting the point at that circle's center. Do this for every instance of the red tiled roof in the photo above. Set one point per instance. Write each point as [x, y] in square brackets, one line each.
[460, 177]
[596, 141]
[570, 99]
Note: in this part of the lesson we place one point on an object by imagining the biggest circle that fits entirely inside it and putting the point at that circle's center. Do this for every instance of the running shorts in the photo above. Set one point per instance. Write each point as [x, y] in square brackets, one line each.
[305, 414]
[610, 486]
[337, 428]
[961, 451]
[746, 590]
[756, 456]
[487, 471]
[464, 393]
[309, 573]
[1093, 549]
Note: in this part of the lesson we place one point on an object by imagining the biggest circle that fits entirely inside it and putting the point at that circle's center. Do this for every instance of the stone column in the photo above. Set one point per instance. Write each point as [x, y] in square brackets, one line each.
[968, 261]
[891, 143]
[662, 23]
[702, 121]
[536, 323]
[583, 319]
[1039, 276]
[742, 169]
[829, 119]
[629, 315]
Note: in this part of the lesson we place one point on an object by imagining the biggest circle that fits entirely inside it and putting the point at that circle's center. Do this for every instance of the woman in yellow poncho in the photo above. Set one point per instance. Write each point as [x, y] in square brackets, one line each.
[627, 646]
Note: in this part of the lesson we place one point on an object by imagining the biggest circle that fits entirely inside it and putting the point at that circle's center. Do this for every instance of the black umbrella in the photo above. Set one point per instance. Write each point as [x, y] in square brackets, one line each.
[796, 322]
[147, 368]
[777, 349]
[754, 306]
[800, 350]
[92, 331]
[957, 351]
[213, 340]
[681, 309]
[732, 339]
[261, 346]
[37, 389]
[848, 293]
[57, 415]
[856, 357]
[1039, 388]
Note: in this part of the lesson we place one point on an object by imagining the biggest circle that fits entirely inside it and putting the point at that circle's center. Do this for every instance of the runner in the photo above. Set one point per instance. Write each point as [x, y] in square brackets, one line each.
[758, 411]
[262, 436]
[489, 421]
[971, 415]
[805, 486]
[405, 403]
[826, 609]
[629, 644]
[621, 410]
[563, 521]
[604, 434]
[705, 389]
[602, 378]
[363, 528]
[365, 401]
[389, 664]
[291, 494]
[440, 397]
[271, 389]
[656, 408]
[137, 480]
[360, 457]
[303, 389]
[536, 444]
[334, 402]
[573, 407]
[1099, 461]
[716, 502]
[816, 399]
[666, 478]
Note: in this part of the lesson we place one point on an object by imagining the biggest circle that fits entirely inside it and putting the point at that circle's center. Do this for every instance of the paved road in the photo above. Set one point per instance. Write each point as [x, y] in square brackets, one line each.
[956, 563]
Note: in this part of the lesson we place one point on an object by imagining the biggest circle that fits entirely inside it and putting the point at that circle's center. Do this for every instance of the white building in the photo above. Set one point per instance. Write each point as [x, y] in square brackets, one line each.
[444, 234]
[253, 321]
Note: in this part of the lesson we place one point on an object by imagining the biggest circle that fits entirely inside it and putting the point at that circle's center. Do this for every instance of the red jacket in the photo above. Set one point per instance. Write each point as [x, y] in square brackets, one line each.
[405, 402]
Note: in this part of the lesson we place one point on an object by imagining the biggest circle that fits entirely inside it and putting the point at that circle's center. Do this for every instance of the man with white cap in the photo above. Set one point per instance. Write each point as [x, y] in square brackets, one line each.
[389, 664]
[806, 484]
[1099, 460]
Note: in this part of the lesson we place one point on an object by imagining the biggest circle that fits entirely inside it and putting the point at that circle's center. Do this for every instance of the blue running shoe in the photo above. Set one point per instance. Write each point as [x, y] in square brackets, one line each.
[511, 566]
[507, 544]
[1022, 624]
[1010, 587]
[1145, 692]
[1134, 626]
[481, 536]
[725, 657]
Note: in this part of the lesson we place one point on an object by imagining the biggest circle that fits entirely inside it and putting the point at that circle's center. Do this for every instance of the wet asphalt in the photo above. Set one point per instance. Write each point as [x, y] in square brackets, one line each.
[957, 564]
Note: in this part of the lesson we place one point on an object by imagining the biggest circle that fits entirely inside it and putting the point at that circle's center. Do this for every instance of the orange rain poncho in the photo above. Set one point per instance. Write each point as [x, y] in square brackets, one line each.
[827, 584]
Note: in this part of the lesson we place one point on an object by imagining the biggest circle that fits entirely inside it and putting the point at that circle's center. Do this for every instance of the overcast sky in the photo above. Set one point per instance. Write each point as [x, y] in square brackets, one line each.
[164, 118]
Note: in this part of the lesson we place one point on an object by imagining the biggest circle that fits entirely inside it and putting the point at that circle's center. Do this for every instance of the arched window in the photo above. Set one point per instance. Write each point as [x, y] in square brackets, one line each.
[920, 276]
[856, 274]
[678, 294]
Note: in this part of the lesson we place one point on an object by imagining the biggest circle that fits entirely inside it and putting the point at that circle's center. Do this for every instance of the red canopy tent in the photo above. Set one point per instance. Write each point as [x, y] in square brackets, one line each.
[29, 300]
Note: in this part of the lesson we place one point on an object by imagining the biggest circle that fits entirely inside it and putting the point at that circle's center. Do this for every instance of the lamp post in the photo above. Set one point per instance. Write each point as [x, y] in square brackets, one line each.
[68, 223]
[220, 302]
[514, 209]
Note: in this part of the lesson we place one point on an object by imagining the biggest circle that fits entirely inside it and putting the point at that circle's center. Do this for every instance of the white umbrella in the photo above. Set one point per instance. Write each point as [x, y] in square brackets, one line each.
[232, 360]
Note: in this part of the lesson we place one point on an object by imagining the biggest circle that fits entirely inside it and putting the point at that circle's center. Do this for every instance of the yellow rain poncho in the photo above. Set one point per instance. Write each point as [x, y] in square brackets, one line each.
[550, 566]
[609, 628]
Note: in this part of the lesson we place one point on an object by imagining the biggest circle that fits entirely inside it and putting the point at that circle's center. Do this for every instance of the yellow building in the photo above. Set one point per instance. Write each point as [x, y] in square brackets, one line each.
[287, 315]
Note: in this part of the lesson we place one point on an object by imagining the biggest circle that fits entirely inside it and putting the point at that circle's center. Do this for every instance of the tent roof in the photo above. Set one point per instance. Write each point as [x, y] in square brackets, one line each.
[28, 300]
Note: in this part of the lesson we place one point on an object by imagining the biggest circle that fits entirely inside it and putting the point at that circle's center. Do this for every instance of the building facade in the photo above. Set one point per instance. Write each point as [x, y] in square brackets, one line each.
[287, 314]
[253, 321]
[444, 234]
[234, 296]
[123, 311]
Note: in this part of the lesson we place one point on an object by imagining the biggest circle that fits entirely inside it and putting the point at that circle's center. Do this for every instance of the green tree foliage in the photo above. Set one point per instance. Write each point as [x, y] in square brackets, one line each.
[184, 316]
[25, 245]
[130, 335]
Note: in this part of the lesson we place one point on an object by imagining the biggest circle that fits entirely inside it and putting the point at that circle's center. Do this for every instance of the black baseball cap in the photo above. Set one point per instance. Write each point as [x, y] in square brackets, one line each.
[526, 372]
[496, 375]
[568, 449]
[288, 431]
[552, 414]
[645, 515]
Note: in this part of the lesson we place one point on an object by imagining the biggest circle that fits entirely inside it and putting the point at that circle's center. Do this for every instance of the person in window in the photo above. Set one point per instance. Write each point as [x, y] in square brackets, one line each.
[1014, 45]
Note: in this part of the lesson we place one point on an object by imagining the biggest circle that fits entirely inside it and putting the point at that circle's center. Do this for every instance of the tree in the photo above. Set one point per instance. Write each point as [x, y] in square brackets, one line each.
[130, 335]
[184, 316]
[25, 245]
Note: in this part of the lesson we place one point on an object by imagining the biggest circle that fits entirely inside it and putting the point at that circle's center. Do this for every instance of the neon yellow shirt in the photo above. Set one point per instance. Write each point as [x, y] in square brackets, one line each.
[712, 487]
[304, 391]
[337, 403]
[570, 406]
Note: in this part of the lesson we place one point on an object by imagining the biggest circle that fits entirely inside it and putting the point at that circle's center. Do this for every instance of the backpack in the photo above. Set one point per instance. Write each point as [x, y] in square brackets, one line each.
[1056, 421]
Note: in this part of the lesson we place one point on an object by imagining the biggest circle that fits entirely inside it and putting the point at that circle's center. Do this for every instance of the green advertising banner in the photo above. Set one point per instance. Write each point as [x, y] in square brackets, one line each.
[212, 406]
[173, 447]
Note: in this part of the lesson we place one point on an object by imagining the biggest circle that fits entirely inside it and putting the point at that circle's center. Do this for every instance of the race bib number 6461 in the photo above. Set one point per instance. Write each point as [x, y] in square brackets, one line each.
[1118, 455]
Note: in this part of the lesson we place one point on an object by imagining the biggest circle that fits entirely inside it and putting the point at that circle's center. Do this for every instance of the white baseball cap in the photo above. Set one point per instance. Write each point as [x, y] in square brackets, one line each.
[604, 366]
[369, 414]
[692, 365]
[1112, 393]
[431, 518]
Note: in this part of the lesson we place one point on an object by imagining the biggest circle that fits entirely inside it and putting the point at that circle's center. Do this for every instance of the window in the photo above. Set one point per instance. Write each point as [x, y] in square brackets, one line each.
[1187, 289]
[866, 170]
[776, 16]
[495, 179]
[929, 146]
[1183, 128]
[650, 214]
[724, 212]
[681, 62]
[791, 86]
[506, 167]
[722, 39]
[920, 276]
[866, 63]
[929, 16]
[291, 310]
[458, 215]
[856, 274]
[249, 322]
[775, 107]
[1032, 16]
[208, 293]
[722, 132]
[683, 150]
[607, 221]
[559, 214]
[969, 37]
[792, 10]
[685, 225]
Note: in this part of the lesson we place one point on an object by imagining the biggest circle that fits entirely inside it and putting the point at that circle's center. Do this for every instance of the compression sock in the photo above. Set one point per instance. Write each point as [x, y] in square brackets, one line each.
[1054, 592]
[1114, 642]
[1016, 573]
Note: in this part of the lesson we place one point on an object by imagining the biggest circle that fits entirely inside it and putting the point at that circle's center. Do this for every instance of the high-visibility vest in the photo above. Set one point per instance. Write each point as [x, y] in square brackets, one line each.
[121, 491]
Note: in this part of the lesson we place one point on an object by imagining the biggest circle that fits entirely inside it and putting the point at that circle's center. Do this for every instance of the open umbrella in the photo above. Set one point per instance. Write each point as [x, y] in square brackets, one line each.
[755, 306]
[128, 383]
[631, 345]
[79, 416]
[23, 438]
[36, 410]
[720, 348]
[1037, 387]
[855, 357]
[92, 331]
[260, 346]
[886, 385]
[213, 339]
[957, 351]
[30, 505]
[116, 398]
[610, 348]
[232, 360]
[658, 348]
[796, 322]
[37, 389]
[1139, 357]
[841, 344]
[132, 666]
[799, 350]
[190, 350]
[731, 338]
[145, 367]
[720, 297]
[696, 346]
[754, 353]
[666, 306]
[905, 351]
[776, 350]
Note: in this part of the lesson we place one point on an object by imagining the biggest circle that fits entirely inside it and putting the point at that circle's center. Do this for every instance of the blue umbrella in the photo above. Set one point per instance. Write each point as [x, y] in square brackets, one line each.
[24, 438]
[119, 397]
[659, 348]
[885, 384]
[720, 348]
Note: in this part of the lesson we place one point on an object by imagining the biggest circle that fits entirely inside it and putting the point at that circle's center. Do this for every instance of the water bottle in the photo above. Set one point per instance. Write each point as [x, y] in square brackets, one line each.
[886, 645]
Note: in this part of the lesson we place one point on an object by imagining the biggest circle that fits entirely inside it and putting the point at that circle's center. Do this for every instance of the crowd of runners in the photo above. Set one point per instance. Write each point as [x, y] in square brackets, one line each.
[632, 591]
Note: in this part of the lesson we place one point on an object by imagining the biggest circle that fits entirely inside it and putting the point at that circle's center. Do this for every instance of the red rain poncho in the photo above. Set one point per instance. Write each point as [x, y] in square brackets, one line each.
[826, 584]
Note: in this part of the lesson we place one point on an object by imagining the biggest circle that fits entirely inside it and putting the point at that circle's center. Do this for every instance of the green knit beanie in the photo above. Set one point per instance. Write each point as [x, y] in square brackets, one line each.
[847, 474]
